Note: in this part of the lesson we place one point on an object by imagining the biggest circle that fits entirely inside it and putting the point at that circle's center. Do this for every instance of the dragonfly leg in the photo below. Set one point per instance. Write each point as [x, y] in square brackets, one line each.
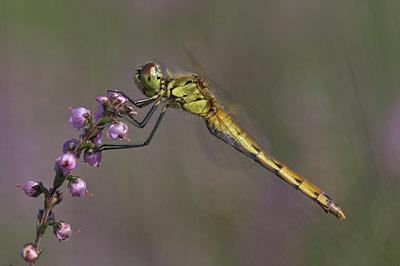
[138, 103]
[136, 145]
[142, 102]
[146, 119]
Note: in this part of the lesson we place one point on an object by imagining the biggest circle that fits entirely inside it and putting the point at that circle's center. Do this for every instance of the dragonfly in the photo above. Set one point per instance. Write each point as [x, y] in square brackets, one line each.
[191, 93]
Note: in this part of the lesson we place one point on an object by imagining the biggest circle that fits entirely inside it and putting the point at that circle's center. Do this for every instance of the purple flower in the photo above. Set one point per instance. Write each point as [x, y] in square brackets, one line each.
[63, 231]
[120, 100]
[67, 162]
[92, 158]
[29, 254]
[117, 130]
[79, 117]
[78, 188]
[29, 189]
[97, 140]
[102, 100]
[116, 100]
[69, 145]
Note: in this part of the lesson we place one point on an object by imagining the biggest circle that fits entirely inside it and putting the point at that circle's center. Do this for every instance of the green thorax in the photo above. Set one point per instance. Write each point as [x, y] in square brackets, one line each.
[186, 94]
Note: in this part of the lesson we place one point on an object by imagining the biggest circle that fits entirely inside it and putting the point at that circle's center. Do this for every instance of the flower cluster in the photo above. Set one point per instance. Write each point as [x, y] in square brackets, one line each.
[109, 110]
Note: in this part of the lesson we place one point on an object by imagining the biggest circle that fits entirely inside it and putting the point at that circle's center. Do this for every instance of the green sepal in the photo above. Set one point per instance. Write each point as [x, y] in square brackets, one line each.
[87, 122]
[53, 223]
[71, 179]
[104, 121]
[86, 145]
[43, 190]
[39, 190]
[56, 225]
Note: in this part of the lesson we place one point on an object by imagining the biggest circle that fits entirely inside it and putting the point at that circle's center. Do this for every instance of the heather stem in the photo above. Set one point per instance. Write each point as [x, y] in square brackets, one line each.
[51, 198]
[44, 219]
[51, 201]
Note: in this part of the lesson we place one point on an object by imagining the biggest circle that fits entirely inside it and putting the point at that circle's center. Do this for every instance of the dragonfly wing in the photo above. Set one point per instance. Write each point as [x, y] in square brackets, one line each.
[216, 90]
[219, 153]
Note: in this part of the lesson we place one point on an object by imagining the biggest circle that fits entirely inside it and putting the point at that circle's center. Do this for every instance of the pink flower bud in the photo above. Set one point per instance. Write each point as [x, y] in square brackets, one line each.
[79, 117]
[67, 162]
[103, 100]
[70, 145]
[120, 100]
[129, 110]
[79, 188]
[29, 254]
[92, 159]
[63, 231]
[29, 189]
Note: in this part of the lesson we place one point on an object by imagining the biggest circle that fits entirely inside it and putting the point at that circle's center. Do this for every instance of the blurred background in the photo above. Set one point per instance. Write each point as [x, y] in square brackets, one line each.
[319, 78]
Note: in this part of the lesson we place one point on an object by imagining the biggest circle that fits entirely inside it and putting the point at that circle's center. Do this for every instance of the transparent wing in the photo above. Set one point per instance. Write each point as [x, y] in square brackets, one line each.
[216, 90]
[219, 153]
[226, 155]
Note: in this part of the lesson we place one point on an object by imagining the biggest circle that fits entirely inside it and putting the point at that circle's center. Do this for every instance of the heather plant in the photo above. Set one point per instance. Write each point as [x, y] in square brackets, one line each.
[109, 111]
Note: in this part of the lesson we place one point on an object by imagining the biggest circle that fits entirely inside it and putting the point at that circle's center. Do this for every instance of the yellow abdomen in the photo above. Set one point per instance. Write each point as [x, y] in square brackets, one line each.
[223, 127]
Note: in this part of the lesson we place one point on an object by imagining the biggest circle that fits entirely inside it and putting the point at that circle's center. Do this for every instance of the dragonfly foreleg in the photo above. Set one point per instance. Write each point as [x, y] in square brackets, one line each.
[145, 120]
[138, 103]
[143, 102]
[136, 145]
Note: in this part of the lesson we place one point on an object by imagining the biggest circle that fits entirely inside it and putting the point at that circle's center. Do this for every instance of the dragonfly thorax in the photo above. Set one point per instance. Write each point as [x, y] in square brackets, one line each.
[148, 78]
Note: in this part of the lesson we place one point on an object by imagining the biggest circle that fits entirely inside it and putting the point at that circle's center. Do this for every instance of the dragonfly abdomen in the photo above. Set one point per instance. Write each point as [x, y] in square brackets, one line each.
[302, 184]
[223, 127]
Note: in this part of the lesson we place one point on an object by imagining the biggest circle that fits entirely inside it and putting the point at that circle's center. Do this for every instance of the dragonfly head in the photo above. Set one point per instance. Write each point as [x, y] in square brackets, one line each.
[148, 78]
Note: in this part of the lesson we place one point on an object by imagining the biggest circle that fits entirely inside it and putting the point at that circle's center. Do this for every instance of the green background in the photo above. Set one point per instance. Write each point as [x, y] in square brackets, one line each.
[320, 78]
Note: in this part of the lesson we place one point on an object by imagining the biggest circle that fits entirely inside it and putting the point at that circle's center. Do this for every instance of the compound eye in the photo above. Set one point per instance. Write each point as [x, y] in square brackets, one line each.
[148, 78]
[150, 69]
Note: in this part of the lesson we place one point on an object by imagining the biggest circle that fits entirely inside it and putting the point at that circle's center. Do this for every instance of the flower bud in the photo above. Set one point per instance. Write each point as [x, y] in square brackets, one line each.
[120, 100]
[78, 188]
[80, 116]
[102, 100]
[92, 158]
[29, 188]
[129, 110]
[70, 145]
[63, 231]
[29, 254]
[67, 162]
